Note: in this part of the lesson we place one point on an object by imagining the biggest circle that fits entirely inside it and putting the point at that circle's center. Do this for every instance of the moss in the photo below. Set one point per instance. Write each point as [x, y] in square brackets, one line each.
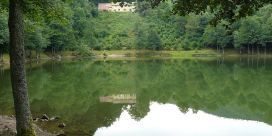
[28, 132]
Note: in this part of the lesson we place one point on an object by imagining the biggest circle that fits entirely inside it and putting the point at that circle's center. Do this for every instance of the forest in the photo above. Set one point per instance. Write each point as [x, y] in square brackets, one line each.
[82, 28]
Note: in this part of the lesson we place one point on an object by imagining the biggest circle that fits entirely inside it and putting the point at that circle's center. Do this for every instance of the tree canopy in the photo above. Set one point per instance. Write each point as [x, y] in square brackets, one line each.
[222, 9]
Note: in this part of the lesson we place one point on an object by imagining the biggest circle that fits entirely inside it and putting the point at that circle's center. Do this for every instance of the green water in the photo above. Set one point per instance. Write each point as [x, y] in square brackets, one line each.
[106, 97]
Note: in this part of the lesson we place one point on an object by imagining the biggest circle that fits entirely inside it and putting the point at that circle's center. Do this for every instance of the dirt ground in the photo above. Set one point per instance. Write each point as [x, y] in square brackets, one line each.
[8, 127]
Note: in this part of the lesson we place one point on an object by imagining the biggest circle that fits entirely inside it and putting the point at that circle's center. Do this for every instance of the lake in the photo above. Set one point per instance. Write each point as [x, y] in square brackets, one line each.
[150, 97]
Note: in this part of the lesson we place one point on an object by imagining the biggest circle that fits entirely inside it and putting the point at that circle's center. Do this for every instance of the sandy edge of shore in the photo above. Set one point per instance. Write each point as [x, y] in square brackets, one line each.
[8, 127]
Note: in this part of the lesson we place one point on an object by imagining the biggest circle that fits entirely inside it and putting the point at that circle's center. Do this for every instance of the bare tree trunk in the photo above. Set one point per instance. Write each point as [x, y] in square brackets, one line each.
[1, 58]
[258, 50]
[30, 54]
[252, 50]
[248, 62]
[265, 50]
[252, 60]
[248, 52]
[258, 62]
[17, 66]
[1, 54]
[264, 63]
[37, 54]
[52, 51]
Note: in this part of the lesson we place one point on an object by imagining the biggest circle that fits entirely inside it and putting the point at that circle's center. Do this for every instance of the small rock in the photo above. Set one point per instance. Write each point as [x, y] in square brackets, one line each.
[12, 116]
[54, 118]
[45, 117]
[35, 119]
[43, 120]
[62, 125]
[61, 135]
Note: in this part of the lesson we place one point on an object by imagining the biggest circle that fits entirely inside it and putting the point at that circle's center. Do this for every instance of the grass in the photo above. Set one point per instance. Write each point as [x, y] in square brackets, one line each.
[6, 58]
[181, 54]
[203, 53]
[192, 53]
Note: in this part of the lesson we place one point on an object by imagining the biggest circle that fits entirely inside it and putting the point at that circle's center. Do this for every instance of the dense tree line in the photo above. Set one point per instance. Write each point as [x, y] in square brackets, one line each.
[82, 28]
[196, 31]
[71, 31]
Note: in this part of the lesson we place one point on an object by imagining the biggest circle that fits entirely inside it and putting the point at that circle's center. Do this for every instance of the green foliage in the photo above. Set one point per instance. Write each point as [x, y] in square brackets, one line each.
[222, 9]
[153, 40]
[250, 32]
[140, 36]
[256, 30]
[4, 36]
[77, 25]
[114, 31]
[217, 36]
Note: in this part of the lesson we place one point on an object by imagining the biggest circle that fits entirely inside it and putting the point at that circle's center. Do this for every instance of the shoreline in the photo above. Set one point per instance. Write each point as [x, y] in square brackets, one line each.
[133, 54]
[8, 127]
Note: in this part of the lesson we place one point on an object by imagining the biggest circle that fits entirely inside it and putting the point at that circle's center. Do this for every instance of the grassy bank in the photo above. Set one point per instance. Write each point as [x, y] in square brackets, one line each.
[204, 53]
[150, 53]
[176, 54]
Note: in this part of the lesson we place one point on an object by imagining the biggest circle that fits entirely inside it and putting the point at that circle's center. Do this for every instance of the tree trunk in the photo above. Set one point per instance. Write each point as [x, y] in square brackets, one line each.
[39, 54]
[248, 62]
[258, 62]
[52, 51]
[252, 60]
[30, 54]
[264, 63]
[1, 54]
[258, 50]
[265, 50]
[248, 52]
[252, 50]
[24, 124]
[36, 52]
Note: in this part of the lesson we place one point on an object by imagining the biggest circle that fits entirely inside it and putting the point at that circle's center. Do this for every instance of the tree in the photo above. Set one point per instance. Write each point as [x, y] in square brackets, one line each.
[140, 37]
[153, 41]
[223, 9]
[17, 10]
[217, 36]
[249, 34]
[3, 31]
[35, 38]
[18, 76]
[194, 30]
[143, 8]
[265, 17]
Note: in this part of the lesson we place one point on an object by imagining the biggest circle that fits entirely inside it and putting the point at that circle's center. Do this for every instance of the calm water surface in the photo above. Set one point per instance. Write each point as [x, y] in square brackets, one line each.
[150, 97]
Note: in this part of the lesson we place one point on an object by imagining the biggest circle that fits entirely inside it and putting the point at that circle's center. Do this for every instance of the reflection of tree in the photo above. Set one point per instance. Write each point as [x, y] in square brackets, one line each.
[98, 115]
[144, 71]
[141, 108]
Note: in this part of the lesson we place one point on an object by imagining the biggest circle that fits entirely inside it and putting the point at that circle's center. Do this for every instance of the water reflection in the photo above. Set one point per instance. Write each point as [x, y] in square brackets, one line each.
[167, 120]
[89, 95]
